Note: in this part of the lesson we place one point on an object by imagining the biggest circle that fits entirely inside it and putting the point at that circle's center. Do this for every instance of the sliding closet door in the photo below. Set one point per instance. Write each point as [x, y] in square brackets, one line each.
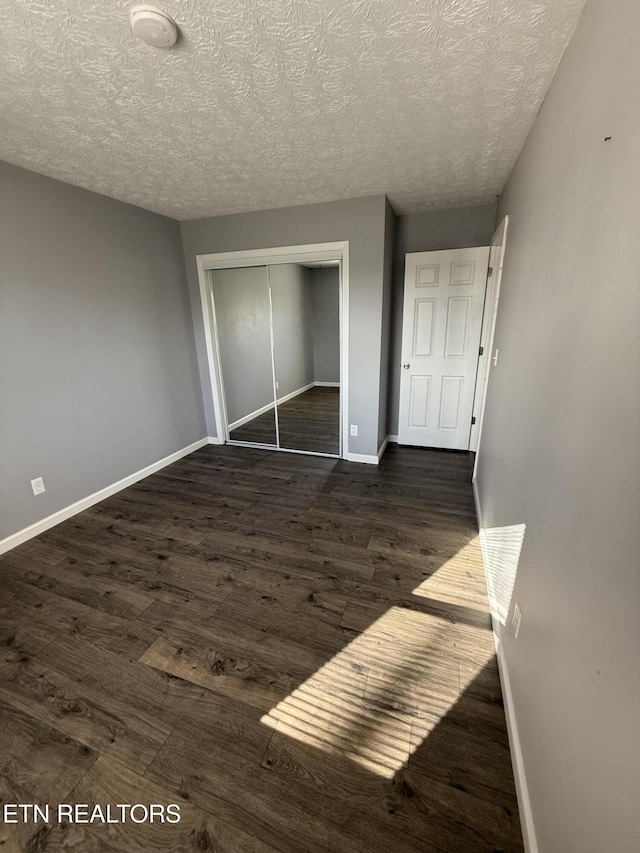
[306, 338]
[241, 303]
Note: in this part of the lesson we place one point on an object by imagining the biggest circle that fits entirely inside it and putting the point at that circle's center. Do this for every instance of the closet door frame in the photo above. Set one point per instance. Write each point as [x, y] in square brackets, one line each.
[338, 251]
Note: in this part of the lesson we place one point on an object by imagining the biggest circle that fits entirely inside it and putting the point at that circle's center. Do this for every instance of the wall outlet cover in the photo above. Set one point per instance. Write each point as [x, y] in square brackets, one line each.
[38, 486]
[354, 429]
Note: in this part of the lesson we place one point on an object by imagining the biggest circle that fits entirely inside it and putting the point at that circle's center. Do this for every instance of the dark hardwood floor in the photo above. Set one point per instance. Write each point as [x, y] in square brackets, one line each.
[294, 649]
[310, 421]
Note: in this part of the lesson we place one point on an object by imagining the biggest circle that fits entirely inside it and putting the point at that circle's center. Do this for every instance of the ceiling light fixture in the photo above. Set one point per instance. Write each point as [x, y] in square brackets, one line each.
[153, 26]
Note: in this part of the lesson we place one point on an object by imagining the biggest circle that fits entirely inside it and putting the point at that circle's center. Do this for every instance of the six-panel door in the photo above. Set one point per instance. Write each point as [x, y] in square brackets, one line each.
[443, 305]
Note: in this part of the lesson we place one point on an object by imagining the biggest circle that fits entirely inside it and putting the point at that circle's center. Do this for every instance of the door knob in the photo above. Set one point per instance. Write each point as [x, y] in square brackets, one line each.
[406, 365]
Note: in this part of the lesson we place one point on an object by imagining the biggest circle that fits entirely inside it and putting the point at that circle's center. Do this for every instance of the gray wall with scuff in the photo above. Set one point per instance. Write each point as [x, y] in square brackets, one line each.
[560, 449]
[98, 370]
[325, 303]
[361, 222]
[458, 228]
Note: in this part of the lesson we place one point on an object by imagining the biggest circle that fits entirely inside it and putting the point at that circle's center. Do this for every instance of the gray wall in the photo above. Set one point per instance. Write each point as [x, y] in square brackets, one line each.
[292, 326]
[459, 228]
[241, 299]
[325, 302]
[390, 236]
[560, 448]
[98, 373]
[362, 223]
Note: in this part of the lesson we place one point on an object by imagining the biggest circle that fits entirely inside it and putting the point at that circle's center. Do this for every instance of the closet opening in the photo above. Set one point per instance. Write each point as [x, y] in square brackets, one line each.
[276, 331]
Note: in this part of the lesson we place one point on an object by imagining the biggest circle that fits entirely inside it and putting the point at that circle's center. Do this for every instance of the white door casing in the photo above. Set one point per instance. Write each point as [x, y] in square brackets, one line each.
[442, 321]
[496, 262]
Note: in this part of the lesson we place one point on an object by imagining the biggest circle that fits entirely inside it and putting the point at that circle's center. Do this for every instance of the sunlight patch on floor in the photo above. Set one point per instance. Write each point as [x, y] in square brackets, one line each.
[444, 584]
[377, 699]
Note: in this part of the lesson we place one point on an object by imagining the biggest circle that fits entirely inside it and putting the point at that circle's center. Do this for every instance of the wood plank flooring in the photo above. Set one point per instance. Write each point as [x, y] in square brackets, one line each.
[310, 421]
[296, 650]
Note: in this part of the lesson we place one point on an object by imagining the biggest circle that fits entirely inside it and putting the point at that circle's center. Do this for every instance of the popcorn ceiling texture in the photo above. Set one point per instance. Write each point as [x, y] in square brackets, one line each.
[270, 103]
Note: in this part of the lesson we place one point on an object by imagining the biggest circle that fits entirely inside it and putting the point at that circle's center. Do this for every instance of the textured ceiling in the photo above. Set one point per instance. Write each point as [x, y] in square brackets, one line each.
[269, 103]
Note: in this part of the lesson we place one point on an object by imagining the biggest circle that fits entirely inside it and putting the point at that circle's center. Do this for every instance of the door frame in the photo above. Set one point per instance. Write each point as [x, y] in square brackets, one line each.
[264, 257]
[487, 336]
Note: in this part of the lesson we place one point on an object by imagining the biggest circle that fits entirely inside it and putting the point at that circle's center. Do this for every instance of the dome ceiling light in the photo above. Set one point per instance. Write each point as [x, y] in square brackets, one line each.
[153, 26]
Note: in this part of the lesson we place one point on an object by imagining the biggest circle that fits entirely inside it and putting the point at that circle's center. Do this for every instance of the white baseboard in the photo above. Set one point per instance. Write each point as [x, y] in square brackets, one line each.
[362, 457]
[244, 420]
[366, 458]
[393, 439]
[39, 527]
[213, 439]
[327, 384]
[476, 500]
[517, 761]
[295, 393]
[270, 406]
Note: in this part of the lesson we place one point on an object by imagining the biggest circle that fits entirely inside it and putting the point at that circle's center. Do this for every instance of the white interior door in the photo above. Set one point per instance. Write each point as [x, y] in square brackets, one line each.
[442, 321]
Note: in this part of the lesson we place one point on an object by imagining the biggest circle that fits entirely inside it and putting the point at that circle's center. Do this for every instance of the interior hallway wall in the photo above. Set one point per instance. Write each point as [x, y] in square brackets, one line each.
[390, 248]
[560, 449]
[98, 371]
[459, 228]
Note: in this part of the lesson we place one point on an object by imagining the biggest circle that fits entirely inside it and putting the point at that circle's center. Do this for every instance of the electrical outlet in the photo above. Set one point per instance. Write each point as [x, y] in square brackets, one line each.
[38, 486]
[354, 429]
[277, 385]
[516, 619]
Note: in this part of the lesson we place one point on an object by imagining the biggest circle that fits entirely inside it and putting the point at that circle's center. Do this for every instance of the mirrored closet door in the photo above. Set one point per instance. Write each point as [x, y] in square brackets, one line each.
[278, 334]
[243, 324]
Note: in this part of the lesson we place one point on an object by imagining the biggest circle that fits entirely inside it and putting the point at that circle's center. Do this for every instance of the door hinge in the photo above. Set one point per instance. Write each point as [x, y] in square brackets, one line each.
[473, 420]
[481, 350]
[490, 272]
